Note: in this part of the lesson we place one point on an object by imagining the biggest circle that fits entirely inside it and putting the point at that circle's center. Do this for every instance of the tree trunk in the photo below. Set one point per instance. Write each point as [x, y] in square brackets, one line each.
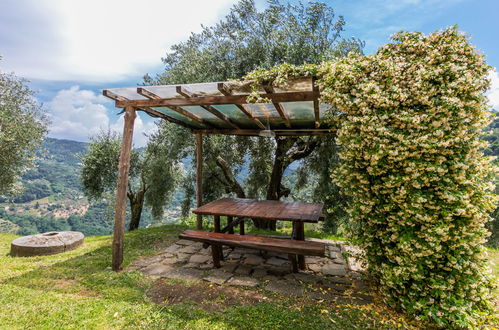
[136, 205]
[275, 190]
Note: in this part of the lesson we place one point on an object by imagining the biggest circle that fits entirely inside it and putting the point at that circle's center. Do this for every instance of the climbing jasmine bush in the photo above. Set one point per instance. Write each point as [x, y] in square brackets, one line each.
[409, 120]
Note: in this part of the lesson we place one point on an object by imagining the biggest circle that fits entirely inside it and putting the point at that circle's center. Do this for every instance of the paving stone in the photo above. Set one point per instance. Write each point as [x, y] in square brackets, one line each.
[252, 259]
[190, 265]
[333, 269]
[243, 270]
[314, 267]
[246, 251]
[285, 287]
[169, 261]
[339, 261]
[206, 252]
[360, 285]
[307, 278]
[229, 267]
[259, 273]
[197, 258]
[173, 248]
[335, 255]
[267, 278]
[184, 242]
[243, 281]
[278, 271]
[234, 255]
[317, 295]
[188, 274]
[188, 249]
[206, 266]
[314, 260]
[183, 257]
[280, 256]
[277, 261]
[218, 276]
[354, 275]
[340, 280]
[156, 269]
[334, 248]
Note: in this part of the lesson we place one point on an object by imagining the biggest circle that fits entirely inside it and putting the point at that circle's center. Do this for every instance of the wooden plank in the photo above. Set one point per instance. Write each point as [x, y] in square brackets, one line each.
[199, 178]
[219, 99]
[266, 209]
[113, 96]
[279, 132]
[257, 242]
[121, 190]
[224, 89]
[282, 112]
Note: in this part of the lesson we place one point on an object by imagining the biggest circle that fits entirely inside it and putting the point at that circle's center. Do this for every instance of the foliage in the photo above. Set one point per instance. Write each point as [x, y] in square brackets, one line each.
[22, 126]
[152, 178]
[492, 137]
[245, 40]
[409, 120]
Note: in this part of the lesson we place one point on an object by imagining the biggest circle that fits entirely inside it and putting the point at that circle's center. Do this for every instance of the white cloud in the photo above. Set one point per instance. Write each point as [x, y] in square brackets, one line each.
[94, 40]
[493, 93]
[77, 114]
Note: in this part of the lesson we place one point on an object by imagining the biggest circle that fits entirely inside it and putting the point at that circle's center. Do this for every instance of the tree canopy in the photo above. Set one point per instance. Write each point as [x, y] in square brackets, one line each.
[245, 40]
[154, 172]
[23, 124]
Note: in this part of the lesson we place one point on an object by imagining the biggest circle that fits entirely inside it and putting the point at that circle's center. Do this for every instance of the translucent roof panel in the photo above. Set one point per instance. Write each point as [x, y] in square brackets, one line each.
[219, 106]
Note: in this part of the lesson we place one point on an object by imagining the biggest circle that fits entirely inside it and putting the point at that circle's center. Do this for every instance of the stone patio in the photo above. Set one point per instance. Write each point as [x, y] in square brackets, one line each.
[332, 277]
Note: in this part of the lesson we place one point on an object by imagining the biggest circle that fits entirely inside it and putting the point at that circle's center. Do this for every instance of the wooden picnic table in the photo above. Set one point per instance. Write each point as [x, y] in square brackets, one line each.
[241, 208]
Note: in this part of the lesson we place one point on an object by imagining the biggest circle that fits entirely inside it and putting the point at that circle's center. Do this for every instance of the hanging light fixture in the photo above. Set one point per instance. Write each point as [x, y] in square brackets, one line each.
[267, 132]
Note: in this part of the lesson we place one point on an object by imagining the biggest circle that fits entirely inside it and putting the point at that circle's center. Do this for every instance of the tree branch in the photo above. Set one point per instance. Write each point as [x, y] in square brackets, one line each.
[229, 176]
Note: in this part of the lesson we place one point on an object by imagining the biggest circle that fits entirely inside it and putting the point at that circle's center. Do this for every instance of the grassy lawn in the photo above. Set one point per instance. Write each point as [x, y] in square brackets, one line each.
[77, 289]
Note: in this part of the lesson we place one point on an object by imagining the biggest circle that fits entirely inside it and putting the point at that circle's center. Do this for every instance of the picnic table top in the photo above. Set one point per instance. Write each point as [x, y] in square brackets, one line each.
[262, 209]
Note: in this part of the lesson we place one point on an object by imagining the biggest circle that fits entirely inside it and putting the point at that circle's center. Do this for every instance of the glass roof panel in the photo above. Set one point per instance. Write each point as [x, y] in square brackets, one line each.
[262, 110]
[300, 110]
[200, 112]
[128, 92]
[169, 112]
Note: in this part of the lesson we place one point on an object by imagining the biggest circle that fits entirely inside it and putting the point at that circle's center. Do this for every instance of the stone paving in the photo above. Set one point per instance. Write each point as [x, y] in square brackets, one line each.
[332, 277]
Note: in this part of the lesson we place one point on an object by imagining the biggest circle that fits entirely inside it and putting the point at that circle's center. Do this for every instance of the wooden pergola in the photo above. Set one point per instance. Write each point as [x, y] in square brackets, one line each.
[213, 108]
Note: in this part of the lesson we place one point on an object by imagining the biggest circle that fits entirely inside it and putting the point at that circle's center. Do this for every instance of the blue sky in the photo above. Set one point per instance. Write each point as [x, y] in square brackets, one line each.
[71, 50]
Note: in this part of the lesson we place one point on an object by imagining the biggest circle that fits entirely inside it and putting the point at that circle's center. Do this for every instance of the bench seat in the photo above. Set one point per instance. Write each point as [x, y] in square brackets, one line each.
[271, 244]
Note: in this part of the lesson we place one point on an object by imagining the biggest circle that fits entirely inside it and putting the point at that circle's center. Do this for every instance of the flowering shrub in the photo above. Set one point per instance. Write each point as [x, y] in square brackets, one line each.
[409, 124]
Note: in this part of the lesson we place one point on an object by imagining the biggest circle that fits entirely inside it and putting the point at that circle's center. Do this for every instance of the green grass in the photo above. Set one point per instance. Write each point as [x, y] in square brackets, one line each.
[77, 289]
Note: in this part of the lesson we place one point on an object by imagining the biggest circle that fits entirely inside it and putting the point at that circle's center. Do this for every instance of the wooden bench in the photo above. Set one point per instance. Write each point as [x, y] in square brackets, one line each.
[292, 247]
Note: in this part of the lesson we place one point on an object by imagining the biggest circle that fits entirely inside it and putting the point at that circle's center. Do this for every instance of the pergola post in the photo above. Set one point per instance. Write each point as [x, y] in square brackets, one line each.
[199, 178]
[122, 185]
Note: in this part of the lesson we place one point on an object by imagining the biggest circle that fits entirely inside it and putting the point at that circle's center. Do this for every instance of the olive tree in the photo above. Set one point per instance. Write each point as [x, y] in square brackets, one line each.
[23, 125]
[245, 40]
[153, 175]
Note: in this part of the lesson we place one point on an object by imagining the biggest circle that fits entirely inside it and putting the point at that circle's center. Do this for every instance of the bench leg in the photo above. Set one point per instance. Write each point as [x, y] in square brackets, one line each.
[216, 251]
[299, 234]
[294, 264]
[216, 223]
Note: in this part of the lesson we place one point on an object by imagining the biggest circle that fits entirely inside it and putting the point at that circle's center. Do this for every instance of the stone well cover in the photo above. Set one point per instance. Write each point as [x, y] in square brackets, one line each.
[45, 244]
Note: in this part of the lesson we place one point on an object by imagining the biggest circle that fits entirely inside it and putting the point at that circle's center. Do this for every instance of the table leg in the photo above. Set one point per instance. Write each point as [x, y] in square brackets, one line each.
[216, 223]
[216, 251]
[299, 233]
[241, 227]
[229, 221]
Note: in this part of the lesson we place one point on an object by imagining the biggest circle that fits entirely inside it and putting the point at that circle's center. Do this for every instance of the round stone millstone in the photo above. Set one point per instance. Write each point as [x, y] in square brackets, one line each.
[45, 244]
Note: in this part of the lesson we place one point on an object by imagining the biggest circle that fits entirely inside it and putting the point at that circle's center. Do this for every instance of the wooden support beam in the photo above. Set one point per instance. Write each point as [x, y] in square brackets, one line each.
[154, 113]
[121, 190]
[113, 96]
[281, 132]
[282, 112]
[199, 178]
[225, 90]
[185, 93]
[150, 95]
[220, 99]
[316, 105]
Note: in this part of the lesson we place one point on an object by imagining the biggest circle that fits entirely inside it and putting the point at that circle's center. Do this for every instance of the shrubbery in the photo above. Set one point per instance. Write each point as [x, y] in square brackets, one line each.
[409, 122]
